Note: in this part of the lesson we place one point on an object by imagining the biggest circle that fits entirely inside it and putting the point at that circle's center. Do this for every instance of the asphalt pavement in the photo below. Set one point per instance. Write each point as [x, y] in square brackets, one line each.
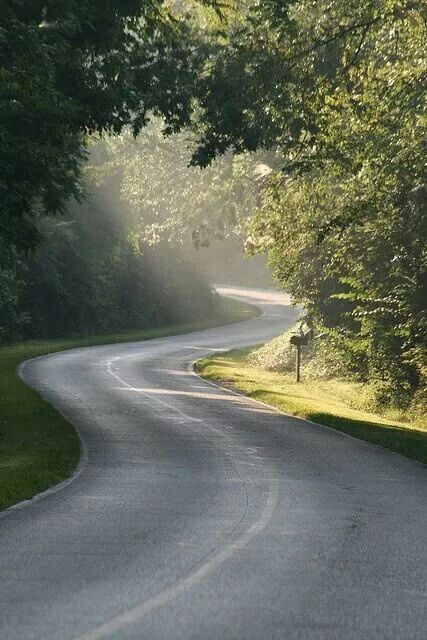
[198, 514]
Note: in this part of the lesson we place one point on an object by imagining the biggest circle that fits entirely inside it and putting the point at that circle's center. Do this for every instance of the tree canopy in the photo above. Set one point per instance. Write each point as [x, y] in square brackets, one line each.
[339, 91]
[170, 199]
[69, 69]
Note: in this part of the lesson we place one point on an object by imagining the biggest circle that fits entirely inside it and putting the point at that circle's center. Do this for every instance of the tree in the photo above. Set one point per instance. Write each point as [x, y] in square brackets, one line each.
[169, 199]
[338, 90]
[68, 69]
[290, 60]
[88, 276]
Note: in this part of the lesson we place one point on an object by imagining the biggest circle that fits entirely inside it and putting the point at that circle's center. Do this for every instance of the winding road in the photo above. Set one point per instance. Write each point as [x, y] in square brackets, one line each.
[198, 514]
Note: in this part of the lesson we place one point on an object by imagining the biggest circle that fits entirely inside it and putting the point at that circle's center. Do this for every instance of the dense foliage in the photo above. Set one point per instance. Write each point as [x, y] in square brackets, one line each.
[88, 277]
[339, 91]
[173, 200]
[69, 69]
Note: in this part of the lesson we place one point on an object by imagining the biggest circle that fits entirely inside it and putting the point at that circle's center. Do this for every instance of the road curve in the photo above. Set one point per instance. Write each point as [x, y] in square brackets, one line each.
[201, 515]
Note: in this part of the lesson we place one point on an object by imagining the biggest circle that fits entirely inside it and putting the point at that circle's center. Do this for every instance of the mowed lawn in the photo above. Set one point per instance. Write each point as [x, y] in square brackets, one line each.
[334, 403]
[39, 448]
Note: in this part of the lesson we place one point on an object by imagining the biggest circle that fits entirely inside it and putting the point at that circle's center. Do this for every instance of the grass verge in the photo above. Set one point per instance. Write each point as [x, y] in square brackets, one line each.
[38, 447]
[333, 403]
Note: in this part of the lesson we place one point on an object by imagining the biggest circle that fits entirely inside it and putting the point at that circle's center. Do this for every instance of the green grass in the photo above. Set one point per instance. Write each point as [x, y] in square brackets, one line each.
[39, 448]
[335, 403]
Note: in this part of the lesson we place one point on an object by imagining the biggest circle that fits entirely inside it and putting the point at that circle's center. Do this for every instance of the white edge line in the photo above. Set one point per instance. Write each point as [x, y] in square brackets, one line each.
[191, 369]
[83, 461]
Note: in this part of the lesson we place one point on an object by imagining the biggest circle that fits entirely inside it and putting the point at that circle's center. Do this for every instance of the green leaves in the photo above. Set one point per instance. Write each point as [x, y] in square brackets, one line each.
[167, 198]
[338, 90]
[72, 70]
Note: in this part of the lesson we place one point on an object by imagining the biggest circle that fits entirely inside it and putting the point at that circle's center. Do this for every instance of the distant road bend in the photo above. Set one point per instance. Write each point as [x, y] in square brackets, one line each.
[201, 515]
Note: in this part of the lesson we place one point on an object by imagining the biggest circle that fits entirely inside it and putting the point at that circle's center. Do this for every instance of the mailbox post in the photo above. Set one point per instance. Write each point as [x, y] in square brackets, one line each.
[299, 340]
[298, 363]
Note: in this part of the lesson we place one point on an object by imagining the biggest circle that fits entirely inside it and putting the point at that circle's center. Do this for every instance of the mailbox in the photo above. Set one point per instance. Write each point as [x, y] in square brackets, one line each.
[299, 340]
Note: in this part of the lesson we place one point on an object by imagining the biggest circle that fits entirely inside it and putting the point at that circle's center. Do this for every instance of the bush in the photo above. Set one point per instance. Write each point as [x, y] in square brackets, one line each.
[321, 360]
